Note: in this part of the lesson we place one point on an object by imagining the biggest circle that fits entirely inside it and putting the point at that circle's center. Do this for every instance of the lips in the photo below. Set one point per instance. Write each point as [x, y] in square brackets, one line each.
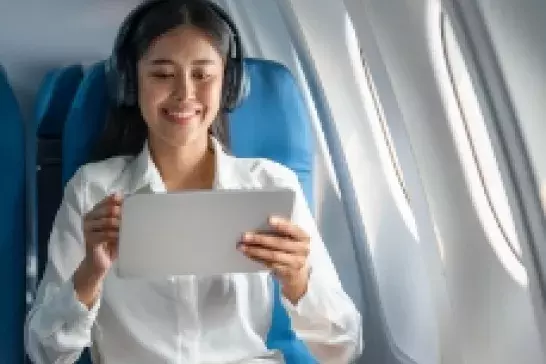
[181, 117]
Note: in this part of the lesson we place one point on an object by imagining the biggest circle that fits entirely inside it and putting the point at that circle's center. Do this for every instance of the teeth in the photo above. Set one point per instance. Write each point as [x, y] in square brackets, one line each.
[183, 115]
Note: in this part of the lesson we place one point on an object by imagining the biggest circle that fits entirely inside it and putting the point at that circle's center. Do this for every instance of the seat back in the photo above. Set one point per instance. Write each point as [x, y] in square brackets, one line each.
[12, 226]
[53, 102]
[272, 123]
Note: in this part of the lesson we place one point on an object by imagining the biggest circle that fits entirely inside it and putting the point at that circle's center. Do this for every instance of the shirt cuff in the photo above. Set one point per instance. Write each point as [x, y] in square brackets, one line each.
[311, 303]
[76, 313]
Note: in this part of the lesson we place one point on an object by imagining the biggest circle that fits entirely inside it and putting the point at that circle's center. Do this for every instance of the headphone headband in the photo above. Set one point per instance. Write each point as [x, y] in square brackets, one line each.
[122, 83]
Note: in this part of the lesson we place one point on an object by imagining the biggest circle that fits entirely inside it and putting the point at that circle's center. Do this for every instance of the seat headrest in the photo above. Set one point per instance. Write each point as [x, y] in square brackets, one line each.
[12, 120]
[274, 121]
[54, 99]
[85, 120]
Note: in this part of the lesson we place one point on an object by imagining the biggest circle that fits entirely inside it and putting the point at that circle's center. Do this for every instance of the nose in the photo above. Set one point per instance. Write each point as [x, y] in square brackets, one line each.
[184, 88]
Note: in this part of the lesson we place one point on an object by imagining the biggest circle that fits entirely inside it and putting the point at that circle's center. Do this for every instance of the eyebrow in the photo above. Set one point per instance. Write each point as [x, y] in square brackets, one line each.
[165, 61]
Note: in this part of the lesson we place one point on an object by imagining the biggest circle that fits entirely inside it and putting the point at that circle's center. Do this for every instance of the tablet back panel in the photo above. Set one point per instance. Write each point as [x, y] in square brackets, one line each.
[194, 233]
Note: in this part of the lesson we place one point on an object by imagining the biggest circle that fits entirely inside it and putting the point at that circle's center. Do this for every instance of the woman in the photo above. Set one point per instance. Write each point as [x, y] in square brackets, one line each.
[174, 70]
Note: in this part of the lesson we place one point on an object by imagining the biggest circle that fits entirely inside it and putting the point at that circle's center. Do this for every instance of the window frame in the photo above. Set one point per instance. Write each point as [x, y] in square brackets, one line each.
[513, 243]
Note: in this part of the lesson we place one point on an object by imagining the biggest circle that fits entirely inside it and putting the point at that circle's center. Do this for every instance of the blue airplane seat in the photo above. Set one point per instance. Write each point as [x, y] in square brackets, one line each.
[53, 102]
[82, 129]
[12, 226]
[272, 123]
[85, 120]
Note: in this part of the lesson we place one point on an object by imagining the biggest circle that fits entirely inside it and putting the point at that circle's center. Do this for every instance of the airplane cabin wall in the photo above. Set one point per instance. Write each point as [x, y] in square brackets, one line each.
[404, 323]
[518, 31]
[36, 36]
[491, 313]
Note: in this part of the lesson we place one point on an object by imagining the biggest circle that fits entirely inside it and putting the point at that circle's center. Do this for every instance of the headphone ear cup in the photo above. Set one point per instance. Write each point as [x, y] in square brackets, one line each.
[228, 88]
[244, 88]
[236, 86]
[120, 82]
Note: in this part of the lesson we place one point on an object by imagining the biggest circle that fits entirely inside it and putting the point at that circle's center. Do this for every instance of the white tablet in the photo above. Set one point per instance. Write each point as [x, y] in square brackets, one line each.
[194, 232]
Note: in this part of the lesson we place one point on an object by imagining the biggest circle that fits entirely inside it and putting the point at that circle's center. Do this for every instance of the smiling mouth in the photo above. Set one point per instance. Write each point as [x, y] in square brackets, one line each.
[181, 117]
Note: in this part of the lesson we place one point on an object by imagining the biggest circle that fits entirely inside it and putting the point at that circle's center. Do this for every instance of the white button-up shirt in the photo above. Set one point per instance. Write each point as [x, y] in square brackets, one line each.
[182, 319]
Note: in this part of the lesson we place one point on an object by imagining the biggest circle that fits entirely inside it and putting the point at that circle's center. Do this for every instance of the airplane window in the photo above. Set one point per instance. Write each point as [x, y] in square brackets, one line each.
[382, 134]
[475, 150]
[384, 127]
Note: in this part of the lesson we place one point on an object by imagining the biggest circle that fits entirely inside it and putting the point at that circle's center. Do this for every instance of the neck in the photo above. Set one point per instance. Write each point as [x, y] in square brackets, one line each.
[190, 166]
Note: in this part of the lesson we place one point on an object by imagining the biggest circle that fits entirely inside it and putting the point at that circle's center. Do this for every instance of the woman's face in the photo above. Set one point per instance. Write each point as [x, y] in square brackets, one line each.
[180, 86]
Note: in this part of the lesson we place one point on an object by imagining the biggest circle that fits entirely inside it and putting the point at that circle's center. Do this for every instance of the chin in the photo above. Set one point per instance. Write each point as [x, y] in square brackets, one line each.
[183, 138]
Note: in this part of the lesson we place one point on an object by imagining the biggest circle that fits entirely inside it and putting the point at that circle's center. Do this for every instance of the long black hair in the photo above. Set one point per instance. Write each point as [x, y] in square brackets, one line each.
[126, 131]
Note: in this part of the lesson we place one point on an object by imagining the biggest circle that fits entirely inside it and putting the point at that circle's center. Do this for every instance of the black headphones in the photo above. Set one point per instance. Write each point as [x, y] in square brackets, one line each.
[121, 70]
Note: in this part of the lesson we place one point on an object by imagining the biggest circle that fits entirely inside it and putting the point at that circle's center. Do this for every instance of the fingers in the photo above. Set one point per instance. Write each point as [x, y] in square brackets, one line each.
[285, 253]
[286, 237]
[273, 258]
[109, 207]
[105, 223]
[285, 267]
[100, 237]
[290, 265]
[287, 228]
[101, 225]
[276, 243]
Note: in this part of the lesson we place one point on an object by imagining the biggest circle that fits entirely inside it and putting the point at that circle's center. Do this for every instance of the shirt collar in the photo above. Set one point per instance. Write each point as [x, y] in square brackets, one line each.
[146, 178]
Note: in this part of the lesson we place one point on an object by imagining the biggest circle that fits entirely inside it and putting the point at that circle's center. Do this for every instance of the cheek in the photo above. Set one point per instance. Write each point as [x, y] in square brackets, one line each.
[211, 96]
[149, 98]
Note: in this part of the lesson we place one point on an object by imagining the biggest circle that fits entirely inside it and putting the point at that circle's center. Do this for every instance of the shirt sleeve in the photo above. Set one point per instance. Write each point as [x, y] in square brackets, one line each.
[325, 318]
[58, 327]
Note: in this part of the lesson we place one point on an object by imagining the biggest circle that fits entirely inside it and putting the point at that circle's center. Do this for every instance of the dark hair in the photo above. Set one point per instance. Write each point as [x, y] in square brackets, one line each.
[125, 130]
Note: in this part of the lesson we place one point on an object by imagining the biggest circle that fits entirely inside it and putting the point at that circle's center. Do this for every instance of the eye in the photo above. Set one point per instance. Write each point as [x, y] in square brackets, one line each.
[200, 75]
[162, 75]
